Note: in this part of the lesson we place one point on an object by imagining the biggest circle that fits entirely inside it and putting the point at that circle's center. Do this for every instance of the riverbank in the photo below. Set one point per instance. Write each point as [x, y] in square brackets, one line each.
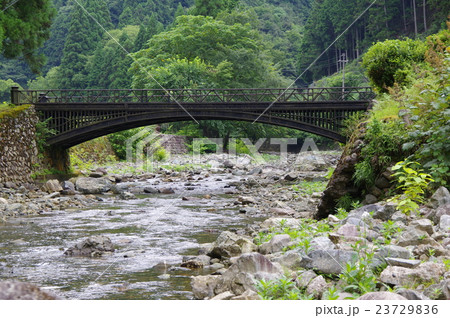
[257, 225]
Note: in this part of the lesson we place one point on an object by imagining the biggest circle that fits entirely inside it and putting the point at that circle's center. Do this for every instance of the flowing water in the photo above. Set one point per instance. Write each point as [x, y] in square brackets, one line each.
[150, 233]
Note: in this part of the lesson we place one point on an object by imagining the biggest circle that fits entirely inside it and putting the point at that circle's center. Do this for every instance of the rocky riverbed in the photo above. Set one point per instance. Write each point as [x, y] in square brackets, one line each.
[252, 230]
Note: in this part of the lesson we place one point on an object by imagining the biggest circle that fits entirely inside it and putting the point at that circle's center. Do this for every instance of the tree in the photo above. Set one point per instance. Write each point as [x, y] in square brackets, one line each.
[237, 47]
[24, 26]
[83, 37]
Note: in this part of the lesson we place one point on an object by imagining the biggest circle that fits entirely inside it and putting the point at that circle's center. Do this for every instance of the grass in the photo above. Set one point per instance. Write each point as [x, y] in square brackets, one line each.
[309, 187]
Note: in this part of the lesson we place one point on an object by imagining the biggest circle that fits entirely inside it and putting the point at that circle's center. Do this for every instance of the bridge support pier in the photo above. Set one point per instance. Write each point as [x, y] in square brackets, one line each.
[59, 158]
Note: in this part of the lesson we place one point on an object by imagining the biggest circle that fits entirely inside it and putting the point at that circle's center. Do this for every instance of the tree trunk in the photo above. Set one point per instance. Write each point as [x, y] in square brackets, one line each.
[404, 14]
[425, 15]
[415, 17]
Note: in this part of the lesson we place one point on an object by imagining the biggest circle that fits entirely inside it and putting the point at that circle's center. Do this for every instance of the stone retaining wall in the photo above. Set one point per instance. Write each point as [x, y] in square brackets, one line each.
[18, 149]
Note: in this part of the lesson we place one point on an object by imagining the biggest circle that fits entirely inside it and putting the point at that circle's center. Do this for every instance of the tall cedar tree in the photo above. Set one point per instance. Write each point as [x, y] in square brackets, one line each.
[24, 26]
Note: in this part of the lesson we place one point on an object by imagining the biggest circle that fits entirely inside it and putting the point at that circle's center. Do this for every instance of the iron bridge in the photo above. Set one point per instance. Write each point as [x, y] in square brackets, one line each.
[80, 115]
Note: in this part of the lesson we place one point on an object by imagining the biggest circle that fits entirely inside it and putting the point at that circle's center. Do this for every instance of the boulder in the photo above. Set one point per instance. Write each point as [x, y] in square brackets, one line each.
[151, 190]
[305, 278]
[276, 244]
[291, 259]
[224, 296]
[408, 263]
[444, 223]
[166, 191]
[93, 246]
[317, 287]
[322, 243]
[229, 244]
[412, 294]
[247, 295]
[245, 272]
[440, 198]
[381, 296]
[348, 230]
[14, 290]
[203, 286]
[52, 186]
[393, 251]
[423, 225]
[196, 262]
[93, 185]
[400, 276]
[329, 261]
[412, 236]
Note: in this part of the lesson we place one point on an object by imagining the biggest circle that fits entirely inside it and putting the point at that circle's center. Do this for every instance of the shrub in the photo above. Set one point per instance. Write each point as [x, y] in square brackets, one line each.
[391, 62]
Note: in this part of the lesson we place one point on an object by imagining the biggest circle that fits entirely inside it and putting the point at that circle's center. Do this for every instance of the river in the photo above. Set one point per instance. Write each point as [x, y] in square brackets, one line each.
[151, 234]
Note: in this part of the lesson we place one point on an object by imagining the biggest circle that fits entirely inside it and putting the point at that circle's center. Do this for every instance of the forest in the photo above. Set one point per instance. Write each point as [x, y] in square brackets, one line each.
[111, 44]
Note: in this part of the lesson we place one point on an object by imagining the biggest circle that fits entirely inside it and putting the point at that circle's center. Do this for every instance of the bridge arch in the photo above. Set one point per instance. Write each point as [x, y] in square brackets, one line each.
[73, 137]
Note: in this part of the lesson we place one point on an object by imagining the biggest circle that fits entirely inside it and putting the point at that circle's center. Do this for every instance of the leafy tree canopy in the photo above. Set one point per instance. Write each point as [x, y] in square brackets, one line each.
[236, 50]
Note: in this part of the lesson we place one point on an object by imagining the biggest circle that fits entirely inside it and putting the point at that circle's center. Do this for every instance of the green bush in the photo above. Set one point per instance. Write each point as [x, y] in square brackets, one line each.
[391, 62]
[383, 142]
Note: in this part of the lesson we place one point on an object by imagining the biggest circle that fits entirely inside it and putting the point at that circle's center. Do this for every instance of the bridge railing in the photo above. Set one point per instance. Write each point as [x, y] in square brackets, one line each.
[190, 96]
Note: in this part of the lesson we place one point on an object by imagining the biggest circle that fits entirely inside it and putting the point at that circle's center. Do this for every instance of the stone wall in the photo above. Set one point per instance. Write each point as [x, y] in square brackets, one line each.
[18, 149]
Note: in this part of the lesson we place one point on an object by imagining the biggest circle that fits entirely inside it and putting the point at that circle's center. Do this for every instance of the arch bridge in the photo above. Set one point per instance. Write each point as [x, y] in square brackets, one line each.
[80, 115]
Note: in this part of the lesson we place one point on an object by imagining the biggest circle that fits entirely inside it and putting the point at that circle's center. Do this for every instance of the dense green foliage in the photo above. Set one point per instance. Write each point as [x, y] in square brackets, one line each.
[413, 121]
[24, 26]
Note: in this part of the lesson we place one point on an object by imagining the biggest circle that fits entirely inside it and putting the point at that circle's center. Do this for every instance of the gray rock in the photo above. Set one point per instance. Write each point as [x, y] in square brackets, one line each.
[393, 251]
[197, 262]
[440, 197]
[382, 183]
[317, 287]
[127, 196]
[444, 223]
[229, 244]
[381, 296]
[52, 186]
[67, 185]
[291, 259]
[329, 261]
[291, 176]
[224, 296]
[348, 230]
[243, 275]
[14, 290]
[322, 243]
[15, 208]
[370, 199]
[93, 185]
[358, 222]
[412, 236]
[423, 225]
[401, 276]
[305, 278]
[247, 295]
[378, 211]
[203, 286]
[246, 200]
[93, 246]
[95, 174]
[412, 294]
[166, 191]
[151, 190]
[276, 244]
[408, 263]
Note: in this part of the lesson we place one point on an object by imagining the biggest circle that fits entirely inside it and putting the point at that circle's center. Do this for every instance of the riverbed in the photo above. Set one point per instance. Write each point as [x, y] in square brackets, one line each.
[151, 233]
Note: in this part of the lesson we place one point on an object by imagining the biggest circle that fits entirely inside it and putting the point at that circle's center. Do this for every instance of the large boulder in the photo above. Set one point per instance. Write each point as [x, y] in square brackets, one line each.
[52, 186]
[276, 244]
[400, 276]
[276, 222]
[329, 261]
[203, 286]
[14, 290]
[444, 223]
[244, 274]
[93, 246]
[93, 185]
[440, 198]
[229, 244]
[412, 236]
